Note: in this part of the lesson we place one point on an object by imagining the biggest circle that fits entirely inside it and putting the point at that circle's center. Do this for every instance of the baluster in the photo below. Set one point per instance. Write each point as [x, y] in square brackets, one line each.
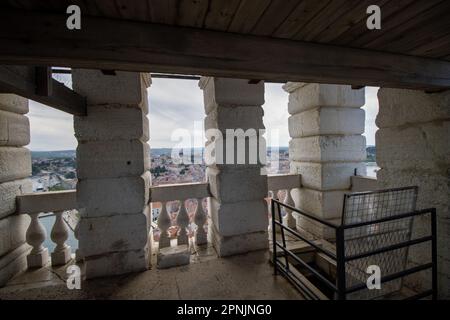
[35, 236]
[269, 211]
[200, 220]
[289, 219]
[183, 222]
[59, 235]
[163, 226]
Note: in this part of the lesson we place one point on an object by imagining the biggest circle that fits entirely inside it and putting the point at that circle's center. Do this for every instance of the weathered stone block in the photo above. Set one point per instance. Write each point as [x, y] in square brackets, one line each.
[115, 159]
[223, 118]
[238, 244]
[420, 147]
[12, 232]
[123, 87]
[400, 107]
[308, 227]
[364, 183]
[8, 193]
[230, 92]
[239, 217]
[173, 257]
[15, 163]
[434, 188]
[323, 204]
[112, 122]
[116, 263]
[328, 148]
[14, 129]
[13, 103]
[239, 184]
[115, 233]
[315, 95]
[325, 121]
[328, 175]
[102, 197]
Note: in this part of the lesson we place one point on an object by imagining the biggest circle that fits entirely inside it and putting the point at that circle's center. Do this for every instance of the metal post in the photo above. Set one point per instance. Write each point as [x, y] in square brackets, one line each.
[433, 254]
[274, 239]
[340, 263]
[283, 237]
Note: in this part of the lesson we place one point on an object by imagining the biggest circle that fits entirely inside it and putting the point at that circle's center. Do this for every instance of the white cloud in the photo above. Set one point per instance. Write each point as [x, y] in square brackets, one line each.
[51, 129]
[175, 104]
[371, 108]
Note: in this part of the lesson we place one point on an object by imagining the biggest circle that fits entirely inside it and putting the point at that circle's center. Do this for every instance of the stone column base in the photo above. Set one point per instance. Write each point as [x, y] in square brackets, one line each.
[38, 260]
[238, 244]
[62, 257]
[116, 263]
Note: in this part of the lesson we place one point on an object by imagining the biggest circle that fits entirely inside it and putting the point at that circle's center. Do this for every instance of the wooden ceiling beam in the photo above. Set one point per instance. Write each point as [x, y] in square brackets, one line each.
[35, 84]
[114, 44]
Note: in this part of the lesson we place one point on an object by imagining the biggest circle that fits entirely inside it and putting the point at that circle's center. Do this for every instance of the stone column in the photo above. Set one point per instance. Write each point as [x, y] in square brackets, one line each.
[326, 147]
[15, 167]
[413, 148]
[237, 208]
[113, 163]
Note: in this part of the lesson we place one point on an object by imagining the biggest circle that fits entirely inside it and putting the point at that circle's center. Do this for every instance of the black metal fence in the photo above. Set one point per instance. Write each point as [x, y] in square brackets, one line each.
[350, 238]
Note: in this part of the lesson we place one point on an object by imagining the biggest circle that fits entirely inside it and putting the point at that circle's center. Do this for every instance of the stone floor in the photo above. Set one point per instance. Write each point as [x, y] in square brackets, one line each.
[247, 276]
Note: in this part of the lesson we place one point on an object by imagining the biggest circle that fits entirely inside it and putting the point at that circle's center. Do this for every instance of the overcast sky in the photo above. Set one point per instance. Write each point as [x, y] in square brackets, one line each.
[174, 104]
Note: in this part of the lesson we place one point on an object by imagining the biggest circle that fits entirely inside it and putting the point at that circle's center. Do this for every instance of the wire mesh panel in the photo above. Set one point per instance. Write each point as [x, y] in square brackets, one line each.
[371, 206]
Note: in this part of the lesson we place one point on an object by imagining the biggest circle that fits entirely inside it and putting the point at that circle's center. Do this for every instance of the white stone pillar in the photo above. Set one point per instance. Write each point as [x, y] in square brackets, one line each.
[413, 148]
[237, 208]
[113, 163]
[15, 167]
[326, 147]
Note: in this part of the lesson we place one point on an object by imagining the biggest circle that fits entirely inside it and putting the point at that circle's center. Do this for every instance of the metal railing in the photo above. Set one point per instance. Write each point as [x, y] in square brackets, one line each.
[340, 287]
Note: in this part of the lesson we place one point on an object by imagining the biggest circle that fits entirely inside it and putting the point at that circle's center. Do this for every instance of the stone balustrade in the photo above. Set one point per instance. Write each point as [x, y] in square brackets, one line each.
[282, 185]
[177, 224]
[34, 204]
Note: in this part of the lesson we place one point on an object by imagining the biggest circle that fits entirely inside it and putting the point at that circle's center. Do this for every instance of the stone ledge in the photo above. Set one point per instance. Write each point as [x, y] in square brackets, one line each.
[13, 263]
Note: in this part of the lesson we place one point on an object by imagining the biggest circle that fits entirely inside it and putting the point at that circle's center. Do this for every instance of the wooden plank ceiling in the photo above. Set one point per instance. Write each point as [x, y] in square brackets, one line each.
[412, 27]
